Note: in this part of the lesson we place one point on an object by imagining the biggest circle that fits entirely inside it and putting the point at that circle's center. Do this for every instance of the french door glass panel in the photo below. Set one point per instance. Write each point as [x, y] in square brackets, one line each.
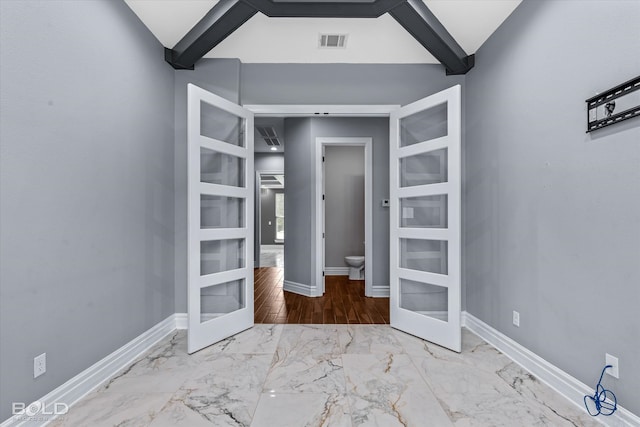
[425, 218]
[221, 212]
[424, 211]
[221, 299]
[424, 125]
[424, 298]
[424, 255]
[424, 168]
[220, 168]
[220, 202]
[221, 125]
[217, 256]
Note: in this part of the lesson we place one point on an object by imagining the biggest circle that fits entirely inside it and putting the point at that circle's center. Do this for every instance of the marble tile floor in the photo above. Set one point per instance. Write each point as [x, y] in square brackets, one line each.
[272, 256]
[324, 375]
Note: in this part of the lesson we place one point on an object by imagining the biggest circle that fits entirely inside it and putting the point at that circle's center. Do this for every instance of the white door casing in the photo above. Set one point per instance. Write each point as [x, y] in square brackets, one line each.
[425, 191]
[220, 218]
[367, 144]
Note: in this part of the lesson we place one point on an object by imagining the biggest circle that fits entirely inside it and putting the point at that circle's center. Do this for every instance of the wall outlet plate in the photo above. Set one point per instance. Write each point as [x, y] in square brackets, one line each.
[613, 361]
[516, 318]
[385, 203]
[39, 365]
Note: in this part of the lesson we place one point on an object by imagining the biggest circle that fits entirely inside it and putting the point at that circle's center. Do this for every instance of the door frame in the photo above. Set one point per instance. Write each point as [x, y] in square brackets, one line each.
[323, 110]
[258, 216]
[367, 143]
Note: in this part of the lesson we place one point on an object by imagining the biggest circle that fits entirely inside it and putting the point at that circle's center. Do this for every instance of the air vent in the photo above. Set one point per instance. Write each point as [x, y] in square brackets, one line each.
[272, 181]
[268, 133]
[333, 41]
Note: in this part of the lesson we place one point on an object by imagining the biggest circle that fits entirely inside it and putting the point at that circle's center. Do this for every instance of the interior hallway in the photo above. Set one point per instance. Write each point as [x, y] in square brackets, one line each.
[324, 375]
[272, 256]
[343, 302]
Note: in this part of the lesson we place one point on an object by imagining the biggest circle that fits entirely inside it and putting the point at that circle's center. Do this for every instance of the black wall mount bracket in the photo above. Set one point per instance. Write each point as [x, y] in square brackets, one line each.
[624, 98]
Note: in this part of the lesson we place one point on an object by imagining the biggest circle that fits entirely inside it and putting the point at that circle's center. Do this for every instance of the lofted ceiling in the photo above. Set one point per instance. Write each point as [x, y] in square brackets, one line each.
[295, 40]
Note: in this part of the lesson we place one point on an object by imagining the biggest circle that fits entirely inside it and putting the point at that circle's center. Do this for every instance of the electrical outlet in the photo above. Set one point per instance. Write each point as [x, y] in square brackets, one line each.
[613, 361]
[516, 318]
[39, 365]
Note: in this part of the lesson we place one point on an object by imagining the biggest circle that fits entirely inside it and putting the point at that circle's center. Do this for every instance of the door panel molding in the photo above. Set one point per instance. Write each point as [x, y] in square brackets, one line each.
[427, 323]
[227, 293]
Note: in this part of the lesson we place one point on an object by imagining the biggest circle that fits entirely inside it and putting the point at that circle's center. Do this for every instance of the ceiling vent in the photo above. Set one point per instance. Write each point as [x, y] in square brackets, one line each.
[333, 41]
[268, 133]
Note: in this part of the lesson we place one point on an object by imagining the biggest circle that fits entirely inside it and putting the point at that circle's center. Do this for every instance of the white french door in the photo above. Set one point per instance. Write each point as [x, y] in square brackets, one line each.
[220, 218]
[425, 184]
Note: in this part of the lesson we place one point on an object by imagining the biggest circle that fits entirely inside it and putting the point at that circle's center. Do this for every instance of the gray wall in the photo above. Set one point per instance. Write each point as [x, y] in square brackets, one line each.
[268, 215]
[341, 83]
[301, 134]
[219, 76]
[298, 197]
[344, 204]
[553, 223]
[86, 188]
[269, 162]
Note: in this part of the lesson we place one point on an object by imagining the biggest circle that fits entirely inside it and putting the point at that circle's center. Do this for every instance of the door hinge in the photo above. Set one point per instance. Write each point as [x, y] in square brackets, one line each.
[323, 158]
[323, 274]
[323, 235]
[323, 197]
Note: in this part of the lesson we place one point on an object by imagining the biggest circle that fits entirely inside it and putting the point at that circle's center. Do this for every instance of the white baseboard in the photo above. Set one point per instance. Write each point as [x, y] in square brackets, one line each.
[91, 378]
[336, 271]
[568, 386]
[299, 288]
[181, 320]
[380, 291]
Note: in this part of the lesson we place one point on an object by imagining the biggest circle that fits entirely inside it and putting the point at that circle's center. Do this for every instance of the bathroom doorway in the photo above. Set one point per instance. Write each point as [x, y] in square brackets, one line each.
[344, 215]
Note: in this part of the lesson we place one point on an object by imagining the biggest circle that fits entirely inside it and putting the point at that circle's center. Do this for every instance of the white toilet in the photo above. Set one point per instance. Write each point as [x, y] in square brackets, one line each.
[356, 267]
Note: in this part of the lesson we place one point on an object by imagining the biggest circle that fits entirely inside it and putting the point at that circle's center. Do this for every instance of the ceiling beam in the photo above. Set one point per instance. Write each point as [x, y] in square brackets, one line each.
[423, 25]
[222, 20]
[324, 9]
[228, 15]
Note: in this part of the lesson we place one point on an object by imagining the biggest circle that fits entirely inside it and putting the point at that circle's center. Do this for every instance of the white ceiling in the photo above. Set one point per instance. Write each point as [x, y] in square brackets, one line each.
[295, 40]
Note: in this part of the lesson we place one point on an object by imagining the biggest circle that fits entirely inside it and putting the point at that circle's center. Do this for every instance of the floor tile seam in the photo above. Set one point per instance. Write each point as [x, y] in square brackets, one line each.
[346, 390]
[426, 381]
[142, 377]
[137, 393]
[76, 407]
[268, 371]
[234, 353]
[298, 393]
[165, 405]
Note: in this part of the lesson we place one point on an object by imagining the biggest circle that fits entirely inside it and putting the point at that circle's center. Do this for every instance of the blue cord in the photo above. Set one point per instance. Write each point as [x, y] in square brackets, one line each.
[604, 400]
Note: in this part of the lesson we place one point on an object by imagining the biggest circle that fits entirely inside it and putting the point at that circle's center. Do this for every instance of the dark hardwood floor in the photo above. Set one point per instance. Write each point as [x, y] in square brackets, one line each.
[343, 302]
